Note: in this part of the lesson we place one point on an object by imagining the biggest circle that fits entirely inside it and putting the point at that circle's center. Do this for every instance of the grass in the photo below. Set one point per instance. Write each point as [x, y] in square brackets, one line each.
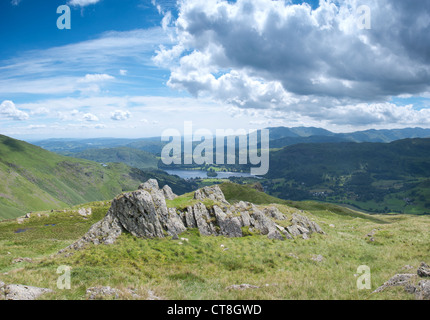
[33, 179]
[203, 267]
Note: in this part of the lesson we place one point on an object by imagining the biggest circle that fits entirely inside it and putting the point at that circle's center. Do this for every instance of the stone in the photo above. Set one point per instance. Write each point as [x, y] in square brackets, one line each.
[85, 212]
[152, 296]
[100, 293]
[423, 270]
[18, 260]
[21, 292]
[397, 280]
[276, 235]
[317, 258]
[2, 293]
[274, 213]
[229, 226]
[168, 193]
[423, 290]
[202, 217]
[243, 286]
[306, 223]
[149, 185]
[213, 193]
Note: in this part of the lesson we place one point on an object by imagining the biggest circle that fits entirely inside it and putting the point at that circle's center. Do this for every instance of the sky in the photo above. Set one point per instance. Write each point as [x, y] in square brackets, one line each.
[133, 68]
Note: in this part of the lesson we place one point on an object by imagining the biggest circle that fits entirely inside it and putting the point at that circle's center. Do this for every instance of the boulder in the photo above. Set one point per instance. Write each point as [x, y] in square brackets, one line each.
[85, 212]
[21, 292]
[149, 185]
[423, 290]
[274, 213]
[423, 270]
[398, 280]
[168, 193]
[213, 193]
[100, 293]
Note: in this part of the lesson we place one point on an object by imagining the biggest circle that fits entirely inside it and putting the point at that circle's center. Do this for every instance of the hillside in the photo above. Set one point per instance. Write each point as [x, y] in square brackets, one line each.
[132, 157]
[36, 179]
[212, 267]
[374, 176]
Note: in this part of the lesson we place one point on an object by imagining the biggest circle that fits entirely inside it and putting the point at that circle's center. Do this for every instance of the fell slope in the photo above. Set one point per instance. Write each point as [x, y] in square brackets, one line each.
[208, 267]
[132, 157]
[35, 179]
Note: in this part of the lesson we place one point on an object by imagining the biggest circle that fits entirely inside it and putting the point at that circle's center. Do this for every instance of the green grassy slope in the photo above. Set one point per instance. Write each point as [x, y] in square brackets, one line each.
[201, 268]
[35, 179]
[131, 157]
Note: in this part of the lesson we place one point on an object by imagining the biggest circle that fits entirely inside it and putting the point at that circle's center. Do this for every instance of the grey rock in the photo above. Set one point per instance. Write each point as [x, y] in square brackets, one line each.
[18, 260]
[203, 219]
[317, 258]
[100, 293]
[245, 218]
[274, 213]
[21, 292]
[423, 290]
[213, 193]
[85, 212]
[168, 193]
[260, 221]
[189, 218]
[152, 296]
[2, 293]
[293, 230]
[306, 223]
[149, 185]
[423, 270]
[174, 223]
[229, 225]
[276, 235]
[398, 280]
[243, 286]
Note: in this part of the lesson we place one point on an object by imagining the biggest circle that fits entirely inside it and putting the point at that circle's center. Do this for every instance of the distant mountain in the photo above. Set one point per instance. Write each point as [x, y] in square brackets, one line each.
[132, 157]
[386, 135]
[377, 177]
[36, 179]
[284, 132]
[295, 135]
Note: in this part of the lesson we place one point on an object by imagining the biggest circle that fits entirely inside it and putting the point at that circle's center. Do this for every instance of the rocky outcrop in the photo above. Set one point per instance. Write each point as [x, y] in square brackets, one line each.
[212, 193]
[152, 185]
[21, 292]
[409, 282]
[144, 214]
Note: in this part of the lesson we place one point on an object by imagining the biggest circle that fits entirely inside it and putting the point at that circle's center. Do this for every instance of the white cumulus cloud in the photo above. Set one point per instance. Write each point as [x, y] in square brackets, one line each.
[9, 110]
[96, 78]
[90, 117]
[82, 3]
[120, 115]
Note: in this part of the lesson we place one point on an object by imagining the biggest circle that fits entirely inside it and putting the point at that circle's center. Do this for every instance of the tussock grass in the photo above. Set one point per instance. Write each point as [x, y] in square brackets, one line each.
[203, 267]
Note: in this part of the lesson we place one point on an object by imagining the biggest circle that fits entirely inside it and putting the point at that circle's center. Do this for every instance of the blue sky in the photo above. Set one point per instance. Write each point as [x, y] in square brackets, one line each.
[133, 68]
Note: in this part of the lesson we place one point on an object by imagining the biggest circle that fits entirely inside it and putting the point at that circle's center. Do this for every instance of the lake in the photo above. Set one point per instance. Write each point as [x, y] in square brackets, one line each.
[192, 174]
